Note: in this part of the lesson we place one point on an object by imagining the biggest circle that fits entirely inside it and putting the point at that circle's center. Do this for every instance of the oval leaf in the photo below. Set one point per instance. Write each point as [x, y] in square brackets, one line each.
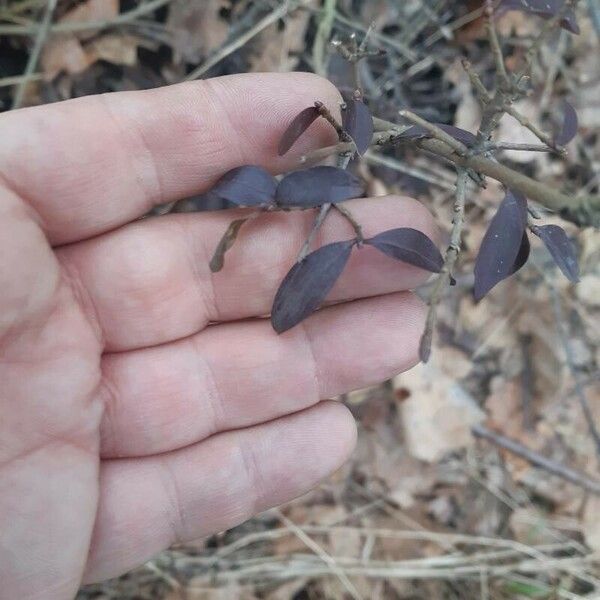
[410, 246]
[317, 186]
[561, 248]
[358, 123]
[569, 126]
[246, 186]
[419, 132]
[501, 244]
[546, 9]
[307, 284]
[298, 126]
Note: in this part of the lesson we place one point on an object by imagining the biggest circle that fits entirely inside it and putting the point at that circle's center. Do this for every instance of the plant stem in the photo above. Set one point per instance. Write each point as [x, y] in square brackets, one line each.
[537, 460]
[449, 263]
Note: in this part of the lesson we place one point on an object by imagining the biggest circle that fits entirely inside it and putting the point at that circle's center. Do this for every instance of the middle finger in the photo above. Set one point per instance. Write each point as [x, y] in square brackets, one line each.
[149, 283]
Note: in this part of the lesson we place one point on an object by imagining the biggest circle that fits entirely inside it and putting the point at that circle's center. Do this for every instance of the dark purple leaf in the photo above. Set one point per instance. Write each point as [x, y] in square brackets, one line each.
[546, 9]
[298, 126]
[317, 186]
[417, 132]
[358, 122]
[307, 284]
[410, 246]
[501, 245]
[523, 254]
[569, 126]
[246, 186]
[561, 248]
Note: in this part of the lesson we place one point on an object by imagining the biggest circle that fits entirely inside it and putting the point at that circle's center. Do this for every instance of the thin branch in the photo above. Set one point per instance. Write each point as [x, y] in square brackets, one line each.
[482, 92]
[284, 568]
[436, 132]
[321, 553]
[343, 162]
[445, 275]
[506, 107]
[549, 26]
[321, 154]
[520, 147]
[18, 79]
[76, 26]
[537, 460]
[389, 41]
[583, 210]
[350, 218]
[328, 116]
[541, 135]
[391, 163]
[38, 46]
[382, 125]
[323, 212]
[501, 74]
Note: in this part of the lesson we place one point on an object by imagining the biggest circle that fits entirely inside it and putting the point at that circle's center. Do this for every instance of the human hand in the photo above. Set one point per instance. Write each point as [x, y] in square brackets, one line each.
[127, 423]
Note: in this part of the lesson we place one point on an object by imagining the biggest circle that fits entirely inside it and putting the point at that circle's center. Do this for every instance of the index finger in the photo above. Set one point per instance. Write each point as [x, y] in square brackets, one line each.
[92, 164]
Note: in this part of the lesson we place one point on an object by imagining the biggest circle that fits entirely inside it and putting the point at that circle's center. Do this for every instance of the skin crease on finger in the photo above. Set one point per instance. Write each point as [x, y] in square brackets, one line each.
[86, 169]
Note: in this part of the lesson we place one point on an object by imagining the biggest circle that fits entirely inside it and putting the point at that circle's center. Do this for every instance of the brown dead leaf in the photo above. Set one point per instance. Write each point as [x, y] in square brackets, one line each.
[278, 49]
[65, 53]
[504, 405]
[439, 413]
[116, 49]
[197, 28]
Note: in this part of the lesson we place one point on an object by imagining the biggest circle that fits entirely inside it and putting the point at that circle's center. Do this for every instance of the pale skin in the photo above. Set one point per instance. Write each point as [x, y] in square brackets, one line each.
[127, 422]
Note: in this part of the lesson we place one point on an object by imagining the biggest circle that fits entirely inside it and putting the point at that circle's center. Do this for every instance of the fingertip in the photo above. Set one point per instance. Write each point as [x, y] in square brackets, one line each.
[262, 105]
[388, 329]
[340, 432]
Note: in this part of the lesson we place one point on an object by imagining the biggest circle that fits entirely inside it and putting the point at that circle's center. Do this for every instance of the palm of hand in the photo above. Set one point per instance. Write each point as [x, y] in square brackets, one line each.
[126, 423]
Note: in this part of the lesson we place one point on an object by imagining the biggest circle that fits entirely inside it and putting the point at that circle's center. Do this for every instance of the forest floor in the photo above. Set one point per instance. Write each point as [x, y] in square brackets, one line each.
[425, 508]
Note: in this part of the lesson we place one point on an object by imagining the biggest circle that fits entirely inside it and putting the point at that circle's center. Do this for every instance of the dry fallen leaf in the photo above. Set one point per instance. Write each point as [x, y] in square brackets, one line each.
[277, 49]
[116, 49]
[439, 413]
[197, 28]
[64, 52]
